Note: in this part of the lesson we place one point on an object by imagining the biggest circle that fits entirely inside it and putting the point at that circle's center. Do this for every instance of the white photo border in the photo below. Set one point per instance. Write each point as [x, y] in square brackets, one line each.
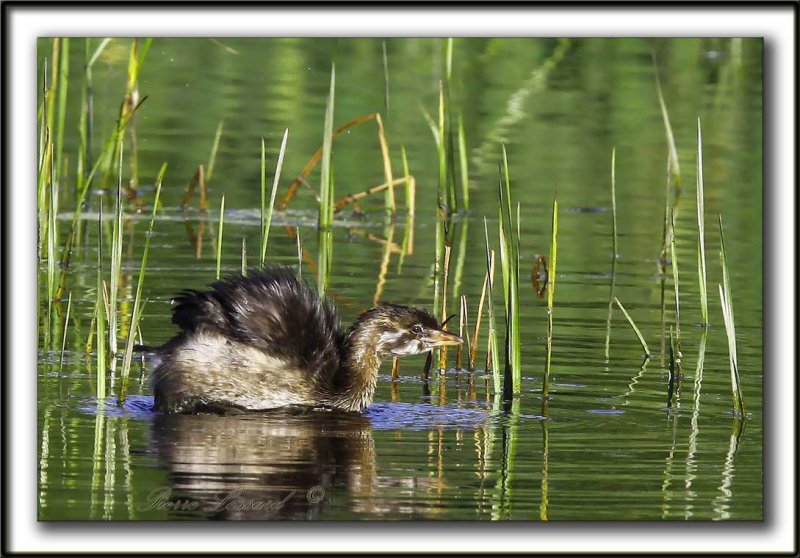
[24, 22]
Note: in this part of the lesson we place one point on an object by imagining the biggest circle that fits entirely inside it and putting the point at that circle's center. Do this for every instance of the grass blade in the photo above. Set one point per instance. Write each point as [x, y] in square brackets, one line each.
[509, 262]
[244, 255]
[326, 193]
[463, 159]
[551, 293]
[492, 350]
[730, 329]
[64, 336]
[212, 158]
[266, 224]
[701, 252]
[100, 316]
[219, 234]
[639, 335]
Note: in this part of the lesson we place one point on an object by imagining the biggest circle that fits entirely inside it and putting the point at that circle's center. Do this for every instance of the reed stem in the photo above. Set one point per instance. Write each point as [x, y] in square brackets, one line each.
[638, 333]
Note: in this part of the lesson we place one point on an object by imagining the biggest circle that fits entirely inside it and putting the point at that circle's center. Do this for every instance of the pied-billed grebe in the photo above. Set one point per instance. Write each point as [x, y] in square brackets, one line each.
[266, 340]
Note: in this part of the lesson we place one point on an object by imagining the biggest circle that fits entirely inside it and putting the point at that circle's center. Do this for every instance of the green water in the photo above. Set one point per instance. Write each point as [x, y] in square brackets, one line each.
[607, 446]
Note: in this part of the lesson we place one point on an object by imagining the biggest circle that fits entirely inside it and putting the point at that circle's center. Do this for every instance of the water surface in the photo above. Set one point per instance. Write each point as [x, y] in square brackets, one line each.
[609, 445]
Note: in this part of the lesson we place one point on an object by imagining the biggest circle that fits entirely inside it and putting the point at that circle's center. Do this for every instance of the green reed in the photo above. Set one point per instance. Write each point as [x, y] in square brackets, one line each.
[326, 193]
[730, 329]
[266, 219]
[443, 313]
[463, 159]
[473, 345]
[42, 179]
[244, 255]
[85, 123]
[136, 312]
[674, 164]
[673, 256]
[410, 184]
[116, 261]
[100, 315]
[446, 128]
[672, 379]
[212, 158]
[614, 202]
[492, 361]
[64, 334]
[615, 250]
[385, 79]
[62, 69]
[463, 326]
[109, 146]
[509, 265]
[444, 155]
[219, 234]
[701, 252]
[130, 102]
[551, 293]
[299, 252]
[407, 247]
[638, 333]
[671, 195]
[263, 201]
[458, 274]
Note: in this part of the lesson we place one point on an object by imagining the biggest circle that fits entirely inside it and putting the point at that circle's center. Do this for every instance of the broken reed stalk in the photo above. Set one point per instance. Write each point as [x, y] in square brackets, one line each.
[551, 293]
[730, 329]
[266, 220]
[198, 179]
[350, 198]
[318, 155]
[701, 252]
[138, 304]
[639, 335]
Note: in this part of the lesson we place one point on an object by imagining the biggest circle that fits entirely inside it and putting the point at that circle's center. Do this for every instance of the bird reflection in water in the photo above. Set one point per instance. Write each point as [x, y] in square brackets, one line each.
[274, 465]
[288, 464]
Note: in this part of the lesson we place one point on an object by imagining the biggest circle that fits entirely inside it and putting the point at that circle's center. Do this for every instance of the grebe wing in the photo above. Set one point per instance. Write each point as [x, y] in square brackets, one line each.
[269, 309]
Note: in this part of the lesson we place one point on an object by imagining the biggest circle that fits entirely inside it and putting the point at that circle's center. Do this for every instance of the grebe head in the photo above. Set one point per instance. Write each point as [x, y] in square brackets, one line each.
[405, 330]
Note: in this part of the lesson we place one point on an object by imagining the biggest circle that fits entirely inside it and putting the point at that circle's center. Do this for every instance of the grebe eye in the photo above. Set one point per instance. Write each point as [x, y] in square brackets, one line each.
[417, 329]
